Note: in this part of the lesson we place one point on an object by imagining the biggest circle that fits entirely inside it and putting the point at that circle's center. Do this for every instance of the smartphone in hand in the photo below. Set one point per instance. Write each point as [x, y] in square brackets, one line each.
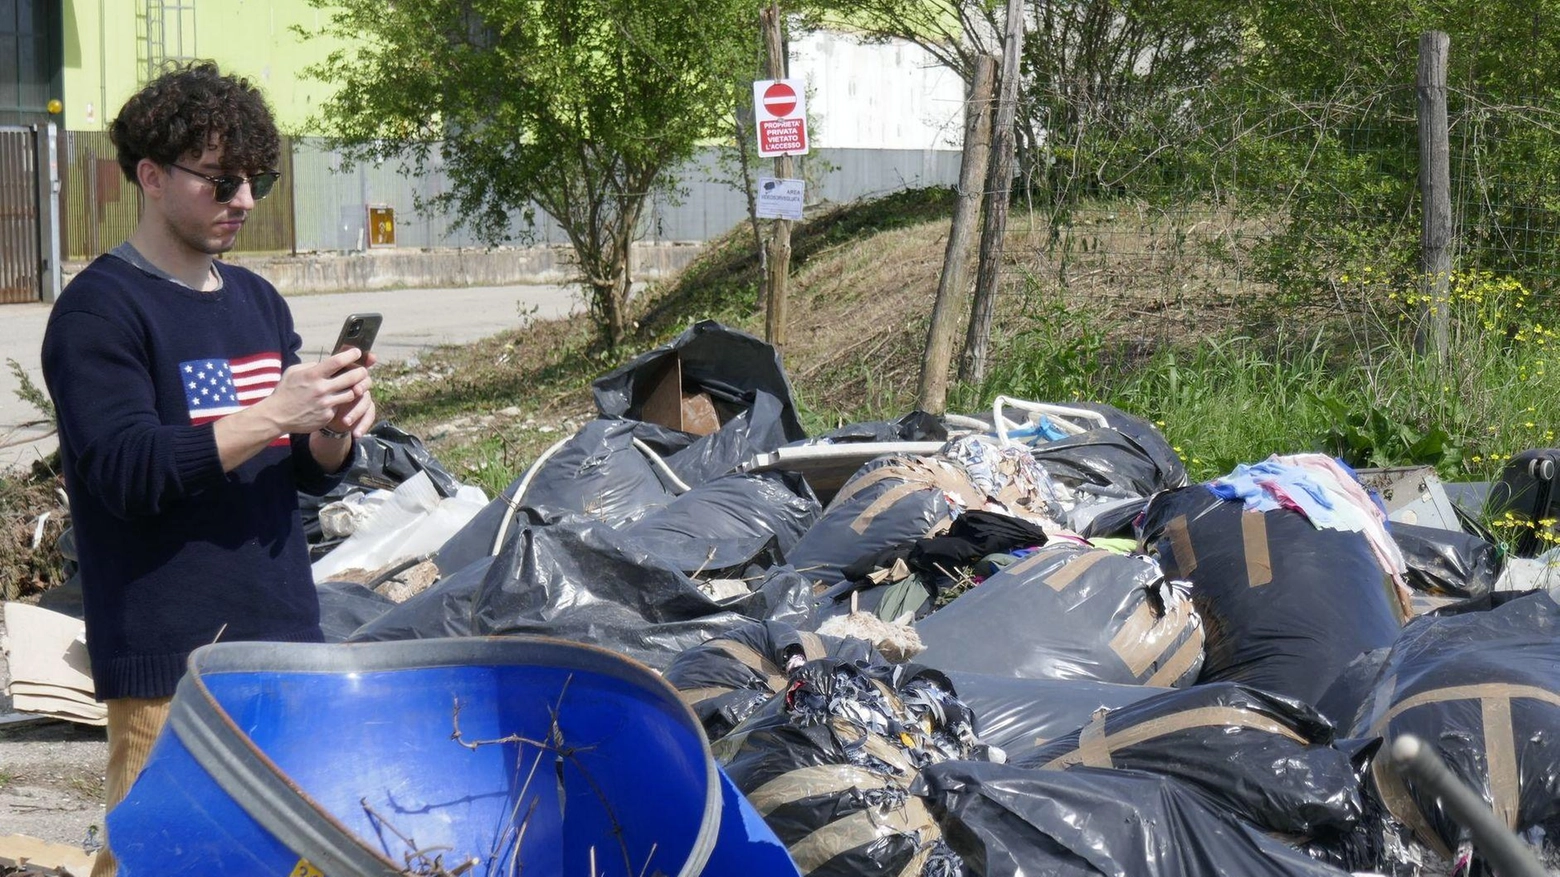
[358, 330]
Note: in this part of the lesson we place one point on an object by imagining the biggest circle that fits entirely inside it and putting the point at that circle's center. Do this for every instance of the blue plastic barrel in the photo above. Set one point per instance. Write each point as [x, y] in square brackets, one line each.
[480, 757]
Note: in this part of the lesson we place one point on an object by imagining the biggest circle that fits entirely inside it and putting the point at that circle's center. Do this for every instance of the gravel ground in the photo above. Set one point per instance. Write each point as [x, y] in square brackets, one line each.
[51, 775]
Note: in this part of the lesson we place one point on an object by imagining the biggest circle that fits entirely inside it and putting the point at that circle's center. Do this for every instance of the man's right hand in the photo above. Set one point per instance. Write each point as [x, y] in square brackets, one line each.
[308, 396]
[305, 399]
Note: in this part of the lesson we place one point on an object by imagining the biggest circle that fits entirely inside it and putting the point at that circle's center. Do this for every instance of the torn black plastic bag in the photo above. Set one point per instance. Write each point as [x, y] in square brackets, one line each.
[1070, 612]
[1103, 465]
[728, 678]
[582, 581]
[1265, 758]
[1019, 715]
[1285, 606]
[828, 764]
[347, 606]
[724, 362]
[706, 527]
[1447, 563]
[1009, 821]
[381, 460]
[917, 426]
[889, 502]
[599, 473]
[1483, 690]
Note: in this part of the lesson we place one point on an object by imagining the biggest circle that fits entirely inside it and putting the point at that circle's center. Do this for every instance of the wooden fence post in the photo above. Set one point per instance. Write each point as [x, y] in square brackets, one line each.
[1434, 194]
[999, 184]
[779, 259]
[952, 297]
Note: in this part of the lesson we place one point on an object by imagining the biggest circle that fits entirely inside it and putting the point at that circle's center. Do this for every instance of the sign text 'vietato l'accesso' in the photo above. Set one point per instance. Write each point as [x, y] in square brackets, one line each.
[780, 109]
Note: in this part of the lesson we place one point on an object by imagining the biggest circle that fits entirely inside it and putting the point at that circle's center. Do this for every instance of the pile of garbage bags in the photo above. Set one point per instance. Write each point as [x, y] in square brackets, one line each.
[1035, 649]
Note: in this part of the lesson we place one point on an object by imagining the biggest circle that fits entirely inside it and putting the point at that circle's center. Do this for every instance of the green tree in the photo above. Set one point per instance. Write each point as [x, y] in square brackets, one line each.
[578, 107]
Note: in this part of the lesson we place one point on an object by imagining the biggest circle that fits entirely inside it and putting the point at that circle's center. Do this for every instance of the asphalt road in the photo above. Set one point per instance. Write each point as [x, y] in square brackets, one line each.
[415, 319]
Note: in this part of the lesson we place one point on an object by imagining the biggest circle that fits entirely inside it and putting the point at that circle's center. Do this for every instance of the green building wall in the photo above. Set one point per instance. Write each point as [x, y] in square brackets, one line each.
[107, 52]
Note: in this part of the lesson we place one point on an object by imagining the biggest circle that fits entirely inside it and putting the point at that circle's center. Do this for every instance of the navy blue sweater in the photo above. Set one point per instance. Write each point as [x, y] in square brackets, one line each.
[174, 552]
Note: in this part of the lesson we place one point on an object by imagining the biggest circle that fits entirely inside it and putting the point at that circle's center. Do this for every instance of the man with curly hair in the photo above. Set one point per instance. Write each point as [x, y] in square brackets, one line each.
[187, 423]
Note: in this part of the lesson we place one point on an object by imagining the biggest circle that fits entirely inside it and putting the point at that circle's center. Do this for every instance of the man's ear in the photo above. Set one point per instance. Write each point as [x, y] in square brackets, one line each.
[152, 177]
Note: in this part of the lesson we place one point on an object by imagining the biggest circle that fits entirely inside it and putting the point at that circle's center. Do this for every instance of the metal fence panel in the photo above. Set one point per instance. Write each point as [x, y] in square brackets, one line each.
[100, 207]
[20, 262]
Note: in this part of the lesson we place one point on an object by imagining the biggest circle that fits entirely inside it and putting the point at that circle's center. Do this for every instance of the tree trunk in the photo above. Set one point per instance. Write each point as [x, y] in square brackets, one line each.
[972, 366]
[952, 294]
[1435, 196]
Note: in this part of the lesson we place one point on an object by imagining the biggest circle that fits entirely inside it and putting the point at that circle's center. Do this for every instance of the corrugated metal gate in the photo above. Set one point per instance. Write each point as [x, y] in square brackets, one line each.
[21, 263]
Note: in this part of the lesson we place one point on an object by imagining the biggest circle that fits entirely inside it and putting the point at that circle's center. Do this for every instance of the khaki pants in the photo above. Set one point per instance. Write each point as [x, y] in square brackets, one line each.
[133, 725]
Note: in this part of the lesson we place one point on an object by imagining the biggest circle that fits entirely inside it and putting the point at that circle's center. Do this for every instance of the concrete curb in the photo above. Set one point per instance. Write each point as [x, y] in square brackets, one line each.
[440, 268]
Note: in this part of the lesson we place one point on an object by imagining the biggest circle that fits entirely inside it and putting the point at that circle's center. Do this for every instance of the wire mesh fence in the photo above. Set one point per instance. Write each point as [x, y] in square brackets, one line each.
[1234, 193]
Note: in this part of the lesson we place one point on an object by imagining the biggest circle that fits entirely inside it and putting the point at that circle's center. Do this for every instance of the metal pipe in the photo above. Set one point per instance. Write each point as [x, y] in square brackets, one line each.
[1506, 852]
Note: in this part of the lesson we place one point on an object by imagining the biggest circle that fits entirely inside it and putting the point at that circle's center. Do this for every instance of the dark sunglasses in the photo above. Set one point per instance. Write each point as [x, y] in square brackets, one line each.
[227, 185]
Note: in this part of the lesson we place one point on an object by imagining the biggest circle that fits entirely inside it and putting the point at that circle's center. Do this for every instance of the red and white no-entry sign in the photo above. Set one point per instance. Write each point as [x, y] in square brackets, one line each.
[780, 108]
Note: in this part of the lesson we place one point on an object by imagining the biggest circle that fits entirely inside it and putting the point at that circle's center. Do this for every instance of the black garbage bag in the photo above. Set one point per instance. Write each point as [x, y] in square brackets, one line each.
[583, 581]
[1147, 437]
[1483, 690]
[1009, 821]
[891, 501]
[381, 460]
[599, 473]
[1285, 606]
[917, 426]
[938, 564]
[726, 364]
[728, 678]
[829, 763]
[704, 528]
[1070, 612]
[1019, 715]
[1267, 759]
[1447, 563]
[1103, 465]
[1352, 689]
[347, 606]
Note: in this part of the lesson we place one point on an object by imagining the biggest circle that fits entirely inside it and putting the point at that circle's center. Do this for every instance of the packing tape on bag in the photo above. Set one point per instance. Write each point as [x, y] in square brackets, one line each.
[1500, 755]
[810, 782]
[1181, 545]
[862, 828]
[1203, 717]
[1259, 563]
[1074, 567]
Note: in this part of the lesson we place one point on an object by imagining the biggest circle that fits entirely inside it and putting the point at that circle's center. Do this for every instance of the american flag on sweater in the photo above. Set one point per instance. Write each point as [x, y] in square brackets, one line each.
[215, 388]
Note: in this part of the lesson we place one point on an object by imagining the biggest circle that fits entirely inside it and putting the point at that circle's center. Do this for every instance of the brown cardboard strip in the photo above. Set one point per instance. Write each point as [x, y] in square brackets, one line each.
[1181, 545]
[1464, 692]
[862, 482]
[812, 647]
[1093, 746]
[1191, 649]
[884, 502]
[1500, 755]
[696, 696]
[859, 829]
[1205, 717]
[1135, 642]
[1259, 565]
[1074, 567]
[1395, 796]
[806, 782]
[774, 677]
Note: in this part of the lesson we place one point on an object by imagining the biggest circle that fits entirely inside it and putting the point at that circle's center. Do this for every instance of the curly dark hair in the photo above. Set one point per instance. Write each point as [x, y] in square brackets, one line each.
[190, 107]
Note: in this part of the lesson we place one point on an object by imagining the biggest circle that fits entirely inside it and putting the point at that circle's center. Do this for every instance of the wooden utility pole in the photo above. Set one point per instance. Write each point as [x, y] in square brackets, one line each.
[999, 183]
[951, 289]
[1435, 193]
[779, 259]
